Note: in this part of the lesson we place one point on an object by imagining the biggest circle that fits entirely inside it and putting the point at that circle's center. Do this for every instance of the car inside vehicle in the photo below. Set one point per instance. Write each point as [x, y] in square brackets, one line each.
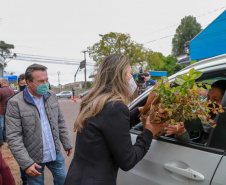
[216, 138]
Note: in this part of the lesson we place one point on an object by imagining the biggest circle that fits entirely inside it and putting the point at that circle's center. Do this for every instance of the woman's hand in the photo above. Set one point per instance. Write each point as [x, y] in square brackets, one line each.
[154, 128]
[140, 108]
[174, 129]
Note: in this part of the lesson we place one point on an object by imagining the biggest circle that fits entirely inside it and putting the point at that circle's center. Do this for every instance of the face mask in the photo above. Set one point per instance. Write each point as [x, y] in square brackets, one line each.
[213, 105]
[22, 88]
[132, 85]
[42, 89]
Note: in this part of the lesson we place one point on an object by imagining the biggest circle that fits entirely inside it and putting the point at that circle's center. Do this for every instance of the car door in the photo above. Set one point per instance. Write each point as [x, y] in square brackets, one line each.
[170, 162]
[218, 140]
[64, 94]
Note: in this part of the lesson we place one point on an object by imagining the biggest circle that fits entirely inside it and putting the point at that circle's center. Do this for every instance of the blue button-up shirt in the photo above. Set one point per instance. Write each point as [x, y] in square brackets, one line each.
[49, 152]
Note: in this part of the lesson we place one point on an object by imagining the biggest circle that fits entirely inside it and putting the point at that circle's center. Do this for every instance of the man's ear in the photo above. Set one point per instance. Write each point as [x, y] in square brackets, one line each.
[28, 82]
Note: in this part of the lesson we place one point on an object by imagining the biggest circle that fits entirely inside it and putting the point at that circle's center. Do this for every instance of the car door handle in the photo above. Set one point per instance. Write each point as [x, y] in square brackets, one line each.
[186, 172]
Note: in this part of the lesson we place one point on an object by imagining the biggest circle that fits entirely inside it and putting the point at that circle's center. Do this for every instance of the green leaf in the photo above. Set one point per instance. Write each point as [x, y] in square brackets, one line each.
[191, 71]
[191, 83]
[198, 74]
[185, 76]
[177, 88]
[207, 86]
[180, 80]
[184, 91]
[200, 84]
[167, 92]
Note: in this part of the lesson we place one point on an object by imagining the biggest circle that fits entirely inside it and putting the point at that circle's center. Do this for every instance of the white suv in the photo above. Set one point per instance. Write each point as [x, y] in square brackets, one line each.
[171, 162]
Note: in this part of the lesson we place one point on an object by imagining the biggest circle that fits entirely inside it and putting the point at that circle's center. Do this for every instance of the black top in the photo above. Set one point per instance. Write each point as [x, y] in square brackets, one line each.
[104, 145]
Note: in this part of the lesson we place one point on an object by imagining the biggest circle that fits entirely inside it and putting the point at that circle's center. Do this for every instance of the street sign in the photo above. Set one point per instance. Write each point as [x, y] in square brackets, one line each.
[82, 64]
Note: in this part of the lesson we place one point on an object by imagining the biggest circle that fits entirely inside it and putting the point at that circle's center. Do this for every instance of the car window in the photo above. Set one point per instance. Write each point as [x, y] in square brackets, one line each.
[196, 130]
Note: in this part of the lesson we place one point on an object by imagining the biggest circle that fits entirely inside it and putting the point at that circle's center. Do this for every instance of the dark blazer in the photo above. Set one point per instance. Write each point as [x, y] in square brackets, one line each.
[104, 145]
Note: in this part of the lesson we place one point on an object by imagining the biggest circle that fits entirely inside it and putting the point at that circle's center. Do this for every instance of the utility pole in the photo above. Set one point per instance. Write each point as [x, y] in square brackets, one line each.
[58, 72]
[85, 67]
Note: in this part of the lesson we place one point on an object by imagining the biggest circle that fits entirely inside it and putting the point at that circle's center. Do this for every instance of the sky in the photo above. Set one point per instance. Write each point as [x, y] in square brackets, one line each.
[63, 29]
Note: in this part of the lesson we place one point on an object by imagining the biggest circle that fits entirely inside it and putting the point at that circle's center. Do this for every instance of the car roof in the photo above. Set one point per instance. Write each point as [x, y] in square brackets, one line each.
[213, 63]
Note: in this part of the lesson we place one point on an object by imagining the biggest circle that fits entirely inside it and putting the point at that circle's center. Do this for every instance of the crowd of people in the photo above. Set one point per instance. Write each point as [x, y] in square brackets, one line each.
[33, 125]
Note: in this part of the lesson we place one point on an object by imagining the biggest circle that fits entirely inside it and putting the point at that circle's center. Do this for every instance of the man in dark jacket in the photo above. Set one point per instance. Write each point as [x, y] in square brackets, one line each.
[5, 93]
[35, 126]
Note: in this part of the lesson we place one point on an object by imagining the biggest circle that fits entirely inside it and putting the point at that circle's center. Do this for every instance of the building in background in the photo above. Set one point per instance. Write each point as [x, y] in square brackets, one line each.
[210, 42]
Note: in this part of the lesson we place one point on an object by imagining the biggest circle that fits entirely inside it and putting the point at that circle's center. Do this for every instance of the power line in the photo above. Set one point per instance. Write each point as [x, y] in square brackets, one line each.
[178, 23]
[50, 62]
[53, 58]
[212, 11]
[173, 34]
[158, 39]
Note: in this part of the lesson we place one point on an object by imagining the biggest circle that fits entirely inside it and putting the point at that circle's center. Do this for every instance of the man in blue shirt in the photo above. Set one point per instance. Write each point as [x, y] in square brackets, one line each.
[148, 82]
[35, 126]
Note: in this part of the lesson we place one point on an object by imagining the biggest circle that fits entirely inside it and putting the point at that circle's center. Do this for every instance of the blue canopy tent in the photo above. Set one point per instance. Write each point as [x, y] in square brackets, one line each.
[211, 41]
[153, 73]
[11, 78]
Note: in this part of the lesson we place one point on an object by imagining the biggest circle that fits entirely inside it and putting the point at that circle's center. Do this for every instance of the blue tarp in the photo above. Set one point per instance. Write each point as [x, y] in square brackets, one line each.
[154, 73]
[211, 41]
[9, 77]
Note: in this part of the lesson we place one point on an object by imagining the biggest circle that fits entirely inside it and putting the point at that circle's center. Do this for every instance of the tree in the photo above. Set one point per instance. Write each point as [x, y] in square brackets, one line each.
[154, 61]
[186, 31]
[169, 64]
[121, 43]
[6, 51]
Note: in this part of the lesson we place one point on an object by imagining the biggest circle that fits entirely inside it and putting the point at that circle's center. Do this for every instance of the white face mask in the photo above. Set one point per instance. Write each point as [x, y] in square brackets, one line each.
[132, 85]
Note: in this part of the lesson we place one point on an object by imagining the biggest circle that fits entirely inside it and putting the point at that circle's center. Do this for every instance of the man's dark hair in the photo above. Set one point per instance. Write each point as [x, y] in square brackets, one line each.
[31, 69]
[21, 77]
[220, 84]
[148, 72]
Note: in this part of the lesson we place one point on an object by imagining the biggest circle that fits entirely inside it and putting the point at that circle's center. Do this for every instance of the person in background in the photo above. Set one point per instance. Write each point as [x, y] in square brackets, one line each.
[5, 93]
[103, 143]
[21, 82]
[73, 92]
[148, 82]
[22, 85]
[215, 95]
[1, 134]
[35, 126]
[6, 177]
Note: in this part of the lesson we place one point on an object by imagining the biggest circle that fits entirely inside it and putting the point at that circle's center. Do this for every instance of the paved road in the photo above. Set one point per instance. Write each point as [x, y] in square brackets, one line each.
[70, 111]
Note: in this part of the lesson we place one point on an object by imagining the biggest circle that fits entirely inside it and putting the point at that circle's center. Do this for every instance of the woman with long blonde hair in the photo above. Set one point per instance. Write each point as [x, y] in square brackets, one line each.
[103, 142]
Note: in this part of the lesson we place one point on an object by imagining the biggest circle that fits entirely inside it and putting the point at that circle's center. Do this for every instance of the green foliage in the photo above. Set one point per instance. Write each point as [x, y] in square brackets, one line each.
[121, 43]
[169, 64]
[193, 61]
[182, 99]
[186, 31]
[89, 85]
[5, 49]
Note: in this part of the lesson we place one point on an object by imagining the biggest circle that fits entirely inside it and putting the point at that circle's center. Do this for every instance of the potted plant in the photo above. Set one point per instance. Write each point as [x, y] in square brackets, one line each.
[171, 102]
